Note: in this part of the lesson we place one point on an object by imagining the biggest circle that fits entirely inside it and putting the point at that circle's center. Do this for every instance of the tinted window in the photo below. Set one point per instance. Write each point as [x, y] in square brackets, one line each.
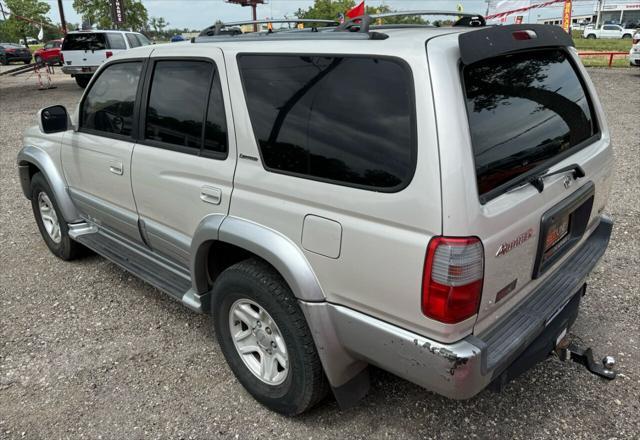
[215, 130]
[84, 41]
[108, 106]
[177, 103]
[133, 41]
[144, 41]
[48, 46]
[524, 110]
[116, 41]
[343, 119]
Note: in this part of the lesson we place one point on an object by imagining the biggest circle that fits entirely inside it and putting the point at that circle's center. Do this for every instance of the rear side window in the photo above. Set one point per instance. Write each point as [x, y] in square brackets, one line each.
[180, 114]
[116, 41]
[133, 41]
[108, 105]
[85, 41]
[526, 111]
[346, 120]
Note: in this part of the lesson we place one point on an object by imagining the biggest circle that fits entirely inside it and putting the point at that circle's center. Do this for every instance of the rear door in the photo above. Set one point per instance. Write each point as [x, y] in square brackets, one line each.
[526, 112]
[183, 164]
[91, 48]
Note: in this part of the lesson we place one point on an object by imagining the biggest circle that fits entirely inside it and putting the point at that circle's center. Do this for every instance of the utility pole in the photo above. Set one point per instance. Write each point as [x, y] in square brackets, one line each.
[599, 13]
[63, 22]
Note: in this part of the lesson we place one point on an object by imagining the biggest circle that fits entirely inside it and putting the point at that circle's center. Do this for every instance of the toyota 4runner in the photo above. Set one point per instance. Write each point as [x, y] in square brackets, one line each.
[426, 200]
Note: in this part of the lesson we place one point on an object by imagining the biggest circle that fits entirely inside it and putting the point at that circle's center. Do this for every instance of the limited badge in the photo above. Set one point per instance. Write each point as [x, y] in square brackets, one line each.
[506, 247]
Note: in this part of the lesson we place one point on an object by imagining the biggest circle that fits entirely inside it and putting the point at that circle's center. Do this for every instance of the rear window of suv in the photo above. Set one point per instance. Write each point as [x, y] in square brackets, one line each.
[94, 41]
[526, 111]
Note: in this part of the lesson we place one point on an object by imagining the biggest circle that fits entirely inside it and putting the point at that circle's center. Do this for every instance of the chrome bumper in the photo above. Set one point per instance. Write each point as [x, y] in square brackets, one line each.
[347, 340]
[79, 70]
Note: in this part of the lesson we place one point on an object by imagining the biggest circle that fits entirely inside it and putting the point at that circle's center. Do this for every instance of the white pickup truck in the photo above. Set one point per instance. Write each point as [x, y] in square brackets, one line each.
[608, 31]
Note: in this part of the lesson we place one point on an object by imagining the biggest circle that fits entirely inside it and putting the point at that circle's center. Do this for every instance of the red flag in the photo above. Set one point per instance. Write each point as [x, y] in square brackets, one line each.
[356, 11]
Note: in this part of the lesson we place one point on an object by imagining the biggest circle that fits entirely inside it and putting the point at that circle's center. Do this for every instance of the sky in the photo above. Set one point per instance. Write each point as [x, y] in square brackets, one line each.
[198, 14]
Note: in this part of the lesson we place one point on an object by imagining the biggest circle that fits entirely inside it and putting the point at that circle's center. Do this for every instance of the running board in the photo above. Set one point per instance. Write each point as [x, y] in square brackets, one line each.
[161, 273]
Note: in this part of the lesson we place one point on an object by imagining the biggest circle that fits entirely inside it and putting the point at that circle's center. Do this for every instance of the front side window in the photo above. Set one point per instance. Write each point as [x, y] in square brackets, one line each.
[525, 110]
[108, 105]
[346, 120]
[180, 113]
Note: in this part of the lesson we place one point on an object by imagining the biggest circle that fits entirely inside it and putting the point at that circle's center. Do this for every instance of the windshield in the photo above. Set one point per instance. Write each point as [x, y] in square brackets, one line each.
[85, 41]
[524, 110]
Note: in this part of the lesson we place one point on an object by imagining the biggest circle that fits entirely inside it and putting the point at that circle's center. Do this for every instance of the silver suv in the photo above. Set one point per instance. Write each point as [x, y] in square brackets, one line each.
[426, 200]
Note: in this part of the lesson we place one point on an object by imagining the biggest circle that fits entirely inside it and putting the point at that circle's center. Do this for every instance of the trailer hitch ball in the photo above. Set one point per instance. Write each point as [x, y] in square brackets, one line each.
[609, 362]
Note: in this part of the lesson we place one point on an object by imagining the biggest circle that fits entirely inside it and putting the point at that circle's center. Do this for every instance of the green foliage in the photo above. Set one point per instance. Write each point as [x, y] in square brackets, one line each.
[157, 25]
[15, 28]
[98, 12]
[326, 9]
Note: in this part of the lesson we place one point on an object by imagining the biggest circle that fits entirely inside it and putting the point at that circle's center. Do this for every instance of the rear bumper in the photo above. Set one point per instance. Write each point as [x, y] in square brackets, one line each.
[463, 369]
[79, 70]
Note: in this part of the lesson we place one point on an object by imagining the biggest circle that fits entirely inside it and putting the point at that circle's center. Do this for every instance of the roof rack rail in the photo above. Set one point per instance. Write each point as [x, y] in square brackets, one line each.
[362, 23]
[218, 28]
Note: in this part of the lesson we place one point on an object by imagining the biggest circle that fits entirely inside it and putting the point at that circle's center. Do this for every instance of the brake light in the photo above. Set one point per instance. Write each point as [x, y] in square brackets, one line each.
[109, 54]
[452, 279]
[636, 40]
[524, 35]
[8, 50]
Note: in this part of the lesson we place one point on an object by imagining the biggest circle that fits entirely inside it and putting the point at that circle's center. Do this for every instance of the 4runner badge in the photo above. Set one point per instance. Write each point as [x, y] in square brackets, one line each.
[508, 246]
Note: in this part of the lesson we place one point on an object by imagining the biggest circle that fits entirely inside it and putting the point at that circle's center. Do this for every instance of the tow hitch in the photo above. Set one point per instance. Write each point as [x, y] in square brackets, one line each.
[570, 351]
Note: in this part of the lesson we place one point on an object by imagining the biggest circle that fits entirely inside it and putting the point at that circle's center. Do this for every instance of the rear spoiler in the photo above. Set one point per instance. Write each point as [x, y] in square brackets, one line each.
[501, 40]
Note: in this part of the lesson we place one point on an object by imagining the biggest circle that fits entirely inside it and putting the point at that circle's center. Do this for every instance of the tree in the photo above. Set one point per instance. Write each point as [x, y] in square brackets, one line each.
[98, 12]
[25, 18]
[326, 9]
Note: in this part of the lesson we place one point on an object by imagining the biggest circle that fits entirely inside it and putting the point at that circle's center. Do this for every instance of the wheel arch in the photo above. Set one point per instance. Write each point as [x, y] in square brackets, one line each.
[246, 239]
[32, 160]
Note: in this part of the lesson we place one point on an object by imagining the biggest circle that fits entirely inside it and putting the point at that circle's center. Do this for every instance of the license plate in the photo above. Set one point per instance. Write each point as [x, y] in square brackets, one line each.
[556, 233]
[86, 69]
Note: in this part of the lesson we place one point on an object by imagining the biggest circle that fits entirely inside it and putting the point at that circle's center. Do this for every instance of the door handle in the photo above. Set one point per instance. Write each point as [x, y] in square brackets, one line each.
[209, 194]
[116, 168]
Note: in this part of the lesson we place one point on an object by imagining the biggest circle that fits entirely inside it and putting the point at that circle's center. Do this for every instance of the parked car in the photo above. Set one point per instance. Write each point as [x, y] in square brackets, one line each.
[634, 53]
[608, 31]
[29, 41]
[176, 38]
[84, 51]
[440, 226]
[50, 53]
[10, 52]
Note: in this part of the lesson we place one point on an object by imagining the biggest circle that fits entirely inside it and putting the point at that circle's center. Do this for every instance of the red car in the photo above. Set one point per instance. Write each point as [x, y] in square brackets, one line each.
[50, 53]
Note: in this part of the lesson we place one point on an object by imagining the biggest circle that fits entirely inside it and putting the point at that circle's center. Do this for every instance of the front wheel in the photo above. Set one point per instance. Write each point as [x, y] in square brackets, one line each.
[52, 226]
[83, 80]
[626, 36]
[265, 338]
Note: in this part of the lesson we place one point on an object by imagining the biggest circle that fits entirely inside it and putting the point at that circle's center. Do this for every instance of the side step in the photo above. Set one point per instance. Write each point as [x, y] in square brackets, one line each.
[161, 273]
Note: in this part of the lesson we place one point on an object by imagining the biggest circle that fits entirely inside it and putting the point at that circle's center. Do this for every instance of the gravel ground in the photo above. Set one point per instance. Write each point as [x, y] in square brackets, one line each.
[88, 351]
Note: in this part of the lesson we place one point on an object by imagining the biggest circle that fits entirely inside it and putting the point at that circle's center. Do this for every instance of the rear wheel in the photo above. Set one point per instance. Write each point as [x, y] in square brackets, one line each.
[50, 222]
[626, 36]
[591, 37]
[4, 61]
[38, 60]
[26, 61]
[83, 80]
[265, 338]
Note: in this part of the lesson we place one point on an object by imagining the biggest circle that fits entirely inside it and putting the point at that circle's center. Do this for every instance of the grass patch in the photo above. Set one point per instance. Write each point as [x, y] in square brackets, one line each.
[600, 44]
[602, 61]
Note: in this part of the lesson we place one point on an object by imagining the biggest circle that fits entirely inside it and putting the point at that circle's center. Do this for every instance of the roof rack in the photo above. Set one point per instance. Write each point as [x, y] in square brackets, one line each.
[362, 23]
[355, 28]
[220, 28]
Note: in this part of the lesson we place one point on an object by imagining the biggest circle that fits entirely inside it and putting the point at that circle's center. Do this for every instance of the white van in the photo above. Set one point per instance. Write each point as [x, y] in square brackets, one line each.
[84, 51]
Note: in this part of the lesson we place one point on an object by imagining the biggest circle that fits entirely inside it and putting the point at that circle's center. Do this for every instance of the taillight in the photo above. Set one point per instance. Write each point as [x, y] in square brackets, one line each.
[452, 279]
[109, 54]
[636, 40]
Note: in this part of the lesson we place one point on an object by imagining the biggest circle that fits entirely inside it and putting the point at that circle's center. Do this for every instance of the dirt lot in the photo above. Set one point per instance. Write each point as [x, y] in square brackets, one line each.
[88, 351]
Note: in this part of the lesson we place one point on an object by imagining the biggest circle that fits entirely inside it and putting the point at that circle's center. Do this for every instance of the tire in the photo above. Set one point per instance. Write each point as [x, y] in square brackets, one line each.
[253, 283]
[626, 36]
[26, 61]
[38, 60]
[83, 80]
[591, 37]
[60, 244]
[4, 61]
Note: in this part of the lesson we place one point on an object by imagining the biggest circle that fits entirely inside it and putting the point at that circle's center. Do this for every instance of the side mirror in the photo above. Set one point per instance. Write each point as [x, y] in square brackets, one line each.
[54, 119]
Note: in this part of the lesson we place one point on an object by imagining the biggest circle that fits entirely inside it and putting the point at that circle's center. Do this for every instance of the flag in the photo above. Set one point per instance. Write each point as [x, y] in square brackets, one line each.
[356, 11]
[41, 34]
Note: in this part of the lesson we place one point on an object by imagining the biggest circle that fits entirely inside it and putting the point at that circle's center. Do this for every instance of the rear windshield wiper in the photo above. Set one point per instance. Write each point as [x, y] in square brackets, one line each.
[537, 180]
